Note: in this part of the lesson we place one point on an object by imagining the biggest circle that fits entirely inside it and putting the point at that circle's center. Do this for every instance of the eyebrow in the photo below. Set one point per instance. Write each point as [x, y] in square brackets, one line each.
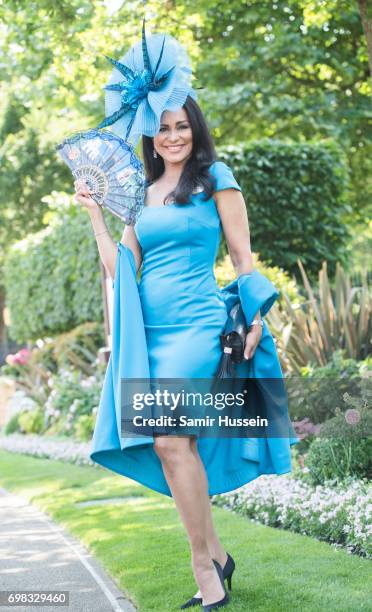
[183, 121]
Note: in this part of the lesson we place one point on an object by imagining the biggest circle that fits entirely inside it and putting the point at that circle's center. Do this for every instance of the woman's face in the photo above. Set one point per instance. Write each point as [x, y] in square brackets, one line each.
[174, 140]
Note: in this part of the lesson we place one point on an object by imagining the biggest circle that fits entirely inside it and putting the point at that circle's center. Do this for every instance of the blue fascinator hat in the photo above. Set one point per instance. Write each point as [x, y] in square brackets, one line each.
[153, 76]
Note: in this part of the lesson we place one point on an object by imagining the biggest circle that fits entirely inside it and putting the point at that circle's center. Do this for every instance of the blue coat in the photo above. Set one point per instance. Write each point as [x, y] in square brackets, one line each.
[229, 462]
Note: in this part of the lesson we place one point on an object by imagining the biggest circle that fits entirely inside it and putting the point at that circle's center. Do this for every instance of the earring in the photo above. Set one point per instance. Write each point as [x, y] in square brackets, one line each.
[154, 153]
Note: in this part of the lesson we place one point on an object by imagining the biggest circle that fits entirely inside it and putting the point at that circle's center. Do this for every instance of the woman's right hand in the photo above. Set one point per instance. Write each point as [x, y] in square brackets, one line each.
[82, 196]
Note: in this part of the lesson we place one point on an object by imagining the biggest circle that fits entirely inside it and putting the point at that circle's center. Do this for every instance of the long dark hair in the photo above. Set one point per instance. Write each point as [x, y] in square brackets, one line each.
[195, 172]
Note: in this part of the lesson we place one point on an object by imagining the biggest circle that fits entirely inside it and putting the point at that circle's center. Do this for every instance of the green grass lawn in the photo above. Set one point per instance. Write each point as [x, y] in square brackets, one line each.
[143, 545]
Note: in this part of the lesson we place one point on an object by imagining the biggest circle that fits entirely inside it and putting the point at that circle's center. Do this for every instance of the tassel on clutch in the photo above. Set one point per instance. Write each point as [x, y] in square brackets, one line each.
[232, 342]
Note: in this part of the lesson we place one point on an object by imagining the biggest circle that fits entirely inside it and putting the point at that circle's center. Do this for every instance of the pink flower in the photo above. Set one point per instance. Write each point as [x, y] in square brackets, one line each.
[352, 416]
[23, 355]
[20, 358]
[305, 428]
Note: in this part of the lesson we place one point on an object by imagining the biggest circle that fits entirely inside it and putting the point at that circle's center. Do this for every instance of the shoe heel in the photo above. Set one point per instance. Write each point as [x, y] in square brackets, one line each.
[228, 570]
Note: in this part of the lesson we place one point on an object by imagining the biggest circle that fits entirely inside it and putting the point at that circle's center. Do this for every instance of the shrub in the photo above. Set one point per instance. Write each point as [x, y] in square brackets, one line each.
[329, 320]
[52, 278]
[343, 449]
[12, 425]
[72, 396]
[76, 348]
[31, 421]
[317, 391]
[296, 195]
[84, 426]
[225, 273]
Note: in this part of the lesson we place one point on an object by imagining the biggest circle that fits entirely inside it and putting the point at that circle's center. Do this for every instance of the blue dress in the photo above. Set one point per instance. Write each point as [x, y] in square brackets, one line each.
[167, 325]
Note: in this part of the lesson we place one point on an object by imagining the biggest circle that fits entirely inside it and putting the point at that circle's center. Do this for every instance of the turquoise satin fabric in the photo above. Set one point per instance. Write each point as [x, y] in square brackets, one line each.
[167, 325]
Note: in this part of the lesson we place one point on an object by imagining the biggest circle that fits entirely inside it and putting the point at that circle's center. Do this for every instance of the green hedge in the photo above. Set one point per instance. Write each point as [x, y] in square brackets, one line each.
[52, 278]
[296, 197]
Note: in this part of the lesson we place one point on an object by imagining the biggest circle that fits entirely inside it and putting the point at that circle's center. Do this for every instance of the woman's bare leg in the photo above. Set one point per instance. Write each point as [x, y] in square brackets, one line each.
[215, 547]
[182, 472]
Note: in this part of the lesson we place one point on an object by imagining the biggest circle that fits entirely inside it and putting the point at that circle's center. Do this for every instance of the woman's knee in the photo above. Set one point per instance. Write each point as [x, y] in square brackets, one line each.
[171, 449]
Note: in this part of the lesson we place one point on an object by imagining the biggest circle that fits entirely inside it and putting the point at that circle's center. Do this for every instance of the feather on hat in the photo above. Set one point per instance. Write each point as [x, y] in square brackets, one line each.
[153, 76]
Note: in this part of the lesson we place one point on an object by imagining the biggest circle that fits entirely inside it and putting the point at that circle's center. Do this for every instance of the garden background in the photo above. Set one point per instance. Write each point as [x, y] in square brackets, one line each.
[286, 90]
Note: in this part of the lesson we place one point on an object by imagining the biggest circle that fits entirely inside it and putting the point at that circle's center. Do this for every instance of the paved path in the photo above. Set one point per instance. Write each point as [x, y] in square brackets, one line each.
[38, 554]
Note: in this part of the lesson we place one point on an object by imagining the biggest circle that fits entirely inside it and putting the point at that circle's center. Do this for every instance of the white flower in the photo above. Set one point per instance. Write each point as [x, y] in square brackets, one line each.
[41, 446]
[269, 499]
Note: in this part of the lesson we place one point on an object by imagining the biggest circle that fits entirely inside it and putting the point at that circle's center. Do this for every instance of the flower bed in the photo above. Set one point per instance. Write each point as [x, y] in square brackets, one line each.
[339, 514]
[67, 450]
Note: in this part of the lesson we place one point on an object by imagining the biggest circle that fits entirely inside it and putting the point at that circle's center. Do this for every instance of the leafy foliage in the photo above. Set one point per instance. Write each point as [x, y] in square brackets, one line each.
[342, 451]
[290, 70]
[296, 201]
[330, 319]
[52, 279]
[318, 390]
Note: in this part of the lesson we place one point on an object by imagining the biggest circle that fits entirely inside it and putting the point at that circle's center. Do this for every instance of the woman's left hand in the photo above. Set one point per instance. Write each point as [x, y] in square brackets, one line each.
[252, 340]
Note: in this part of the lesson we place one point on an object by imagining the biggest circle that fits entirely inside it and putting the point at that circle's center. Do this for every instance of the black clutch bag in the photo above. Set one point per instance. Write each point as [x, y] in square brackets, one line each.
[232, 342]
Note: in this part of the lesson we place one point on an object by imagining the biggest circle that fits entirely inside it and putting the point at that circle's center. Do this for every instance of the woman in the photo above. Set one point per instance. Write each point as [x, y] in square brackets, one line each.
[190, 197]
[184, 148]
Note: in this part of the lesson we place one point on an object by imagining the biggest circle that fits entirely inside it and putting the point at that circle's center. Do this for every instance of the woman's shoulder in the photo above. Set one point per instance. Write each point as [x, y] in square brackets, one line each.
[218, 166]
[224, 176]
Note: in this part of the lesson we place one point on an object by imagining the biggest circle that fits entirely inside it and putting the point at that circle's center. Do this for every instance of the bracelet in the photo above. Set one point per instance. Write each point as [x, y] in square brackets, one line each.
[257, 322]
[101, 233]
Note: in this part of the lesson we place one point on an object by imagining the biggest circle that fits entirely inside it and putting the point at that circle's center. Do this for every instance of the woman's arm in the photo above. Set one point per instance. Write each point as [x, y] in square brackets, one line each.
[107, 247]
[129, 239]
[233, 214]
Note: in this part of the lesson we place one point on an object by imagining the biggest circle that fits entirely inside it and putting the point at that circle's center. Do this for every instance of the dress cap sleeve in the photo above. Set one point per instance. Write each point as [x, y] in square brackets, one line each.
[224, 176]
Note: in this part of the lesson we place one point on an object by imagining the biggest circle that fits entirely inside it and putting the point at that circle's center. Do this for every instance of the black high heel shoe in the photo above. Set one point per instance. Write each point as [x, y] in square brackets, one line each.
[228, 571]
[225, 599]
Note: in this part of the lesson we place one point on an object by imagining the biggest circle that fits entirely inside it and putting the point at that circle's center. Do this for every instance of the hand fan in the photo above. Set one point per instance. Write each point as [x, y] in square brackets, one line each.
[110, 168]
